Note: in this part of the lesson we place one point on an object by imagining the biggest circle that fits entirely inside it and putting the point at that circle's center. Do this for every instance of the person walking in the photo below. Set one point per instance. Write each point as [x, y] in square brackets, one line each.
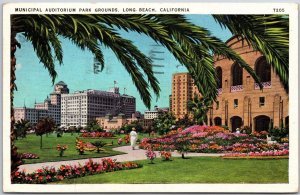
[133, 138]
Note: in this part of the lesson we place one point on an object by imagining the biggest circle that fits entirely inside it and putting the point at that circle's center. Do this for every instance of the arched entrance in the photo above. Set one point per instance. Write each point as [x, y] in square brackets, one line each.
[236, 122]
[262, 123]
[218, 121]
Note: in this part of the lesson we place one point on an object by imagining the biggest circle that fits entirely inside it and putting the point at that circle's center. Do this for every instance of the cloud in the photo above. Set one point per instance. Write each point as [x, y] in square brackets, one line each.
[18, 66]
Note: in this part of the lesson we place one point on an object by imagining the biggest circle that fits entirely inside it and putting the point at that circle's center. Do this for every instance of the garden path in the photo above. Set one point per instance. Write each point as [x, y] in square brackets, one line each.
[131, 155]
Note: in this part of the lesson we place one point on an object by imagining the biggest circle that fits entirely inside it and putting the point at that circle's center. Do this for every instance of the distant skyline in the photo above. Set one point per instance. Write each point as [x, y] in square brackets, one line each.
[34, 83]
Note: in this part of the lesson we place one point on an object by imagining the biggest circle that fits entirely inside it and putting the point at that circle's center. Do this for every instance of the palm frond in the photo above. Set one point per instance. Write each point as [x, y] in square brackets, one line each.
[187, 33]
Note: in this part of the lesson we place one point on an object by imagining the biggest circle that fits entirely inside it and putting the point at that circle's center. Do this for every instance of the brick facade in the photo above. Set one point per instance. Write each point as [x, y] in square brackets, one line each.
[240, 101]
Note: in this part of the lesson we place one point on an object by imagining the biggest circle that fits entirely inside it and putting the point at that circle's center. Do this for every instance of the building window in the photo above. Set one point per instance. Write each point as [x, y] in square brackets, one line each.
[235, 103]
[219, 76]
[218, 104]
[261, 101]
[263, 70]
[237, 74]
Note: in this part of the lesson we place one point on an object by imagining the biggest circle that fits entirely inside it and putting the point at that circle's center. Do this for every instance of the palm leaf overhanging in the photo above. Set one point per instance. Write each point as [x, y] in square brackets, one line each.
[268, 34]
[191, 45]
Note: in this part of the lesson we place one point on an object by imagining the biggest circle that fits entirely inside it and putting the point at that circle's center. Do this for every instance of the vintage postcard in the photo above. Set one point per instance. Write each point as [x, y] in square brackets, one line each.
[150, 97]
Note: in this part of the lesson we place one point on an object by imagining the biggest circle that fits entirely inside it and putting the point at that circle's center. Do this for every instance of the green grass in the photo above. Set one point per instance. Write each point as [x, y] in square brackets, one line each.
[195, 170]
[49, 153]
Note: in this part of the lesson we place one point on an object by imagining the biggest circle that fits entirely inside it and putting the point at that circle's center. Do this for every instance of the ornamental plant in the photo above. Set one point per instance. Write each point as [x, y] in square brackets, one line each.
[80, 146]
[61, 149]
[97, 134]
[120, 141]
[165, 155]
[50, 174]
[150, 155]
[29, 156]
[99, 145]
[126, 139]
[211, 139]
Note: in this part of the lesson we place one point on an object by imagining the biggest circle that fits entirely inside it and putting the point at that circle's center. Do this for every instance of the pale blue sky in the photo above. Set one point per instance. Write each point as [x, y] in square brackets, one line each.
[34, 83]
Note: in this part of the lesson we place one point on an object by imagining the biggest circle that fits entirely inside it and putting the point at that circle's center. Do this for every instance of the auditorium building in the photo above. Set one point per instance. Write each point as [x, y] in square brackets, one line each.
[240, 101]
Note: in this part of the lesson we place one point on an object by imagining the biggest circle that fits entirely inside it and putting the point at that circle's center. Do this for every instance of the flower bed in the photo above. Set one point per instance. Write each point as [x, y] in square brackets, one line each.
[275, 154]
[29, 156]
[45, 175]
[212, 139]
[255, 157]
[97, 134]
[263, 153]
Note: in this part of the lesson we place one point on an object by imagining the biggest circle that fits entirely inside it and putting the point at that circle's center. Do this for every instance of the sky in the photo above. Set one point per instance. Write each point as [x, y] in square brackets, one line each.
[34, 83]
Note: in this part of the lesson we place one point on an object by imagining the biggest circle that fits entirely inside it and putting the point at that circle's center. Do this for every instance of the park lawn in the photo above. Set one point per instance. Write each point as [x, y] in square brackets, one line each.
[195, 170]
[31, 144]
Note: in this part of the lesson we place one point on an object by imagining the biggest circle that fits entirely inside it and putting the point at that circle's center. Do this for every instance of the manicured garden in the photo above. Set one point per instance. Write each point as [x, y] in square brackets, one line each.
[245, 157]
[195, 170]
[49, 152]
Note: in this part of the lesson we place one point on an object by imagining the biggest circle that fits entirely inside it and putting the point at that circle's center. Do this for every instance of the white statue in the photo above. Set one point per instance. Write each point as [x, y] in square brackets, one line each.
[133, 138]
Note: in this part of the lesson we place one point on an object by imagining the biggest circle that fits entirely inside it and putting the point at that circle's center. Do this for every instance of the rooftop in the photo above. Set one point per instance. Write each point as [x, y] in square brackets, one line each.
[61, 83]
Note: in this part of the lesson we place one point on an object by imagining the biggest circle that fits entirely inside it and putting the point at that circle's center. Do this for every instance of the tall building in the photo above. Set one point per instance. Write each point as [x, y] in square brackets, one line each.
[49, 108]
[183, 90]
[78, 108]
[240, 102]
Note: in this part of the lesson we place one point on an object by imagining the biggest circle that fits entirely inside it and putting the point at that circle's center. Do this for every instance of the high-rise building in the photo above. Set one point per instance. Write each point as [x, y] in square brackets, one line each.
[183, 90]
[240, 102]
[80, 107]
[49, 108]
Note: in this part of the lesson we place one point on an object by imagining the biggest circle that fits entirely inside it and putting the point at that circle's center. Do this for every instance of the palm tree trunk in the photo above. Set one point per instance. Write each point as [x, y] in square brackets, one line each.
[15, 157]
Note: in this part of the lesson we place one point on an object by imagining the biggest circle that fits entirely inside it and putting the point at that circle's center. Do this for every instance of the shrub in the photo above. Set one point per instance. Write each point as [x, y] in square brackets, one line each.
[61, 149]
[99, 145]
[150, 155]
[165, 155]
[46, 175]
[29, 156]
[80, 146]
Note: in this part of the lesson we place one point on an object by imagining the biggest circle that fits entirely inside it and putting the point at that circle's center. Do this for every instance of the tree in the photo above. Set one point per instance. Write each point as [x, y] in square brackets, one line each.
[93, 126]
[44, 125]
[184, 122]
[21, 128]
[199, 107]
[182, 144]
[128, 127]
[164, 122]
[191, 45]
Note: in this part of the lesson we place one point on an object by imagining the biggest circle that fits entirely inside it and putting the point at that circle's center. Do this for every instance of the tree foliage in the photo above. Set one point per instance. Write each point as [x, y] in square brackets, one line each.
[93, 126]
[164, 122]
[135, 124]
[44, 125]
[199, 107]
[21, 128]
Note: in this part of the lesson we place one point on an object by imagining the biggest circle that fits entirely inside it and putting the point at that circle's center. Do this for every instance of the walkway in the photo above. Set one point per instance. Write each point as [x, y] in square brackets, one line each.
[131, 155]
